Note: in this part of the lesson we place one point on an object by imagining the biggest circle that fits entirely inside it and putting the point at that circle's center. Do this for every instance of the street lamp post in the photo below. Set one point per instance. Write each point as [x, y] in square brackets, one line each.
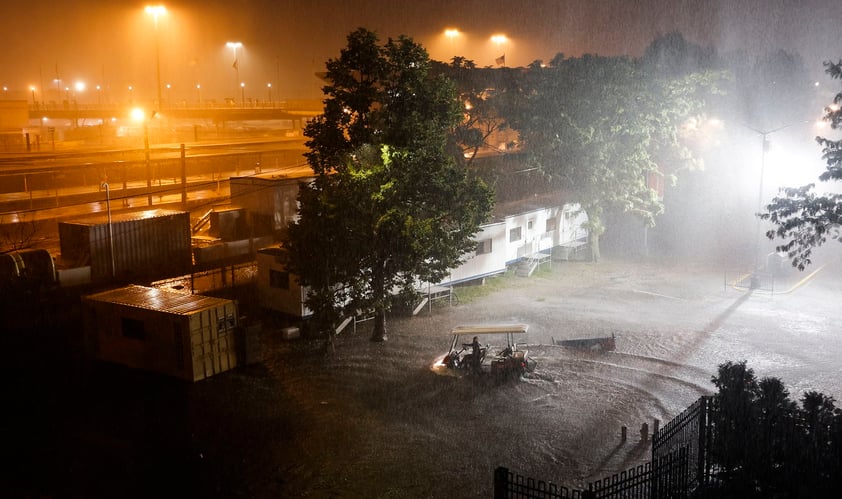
[234, 46]
[764, 146]
[243, 90]
[110, 227]
[269, 86]
[156, 11]
[199, 93]
[32, 89]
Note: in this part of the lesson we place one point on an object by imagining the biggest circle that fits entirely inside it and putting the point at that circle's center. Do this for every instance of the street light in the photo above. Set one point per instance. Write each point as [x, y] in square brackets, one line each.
[139, 115]
[499, 40]
[243, 90]
[269, 86]
[234, 46]
[32, 89]
[156, 11]
[110, 229]
[199, 93]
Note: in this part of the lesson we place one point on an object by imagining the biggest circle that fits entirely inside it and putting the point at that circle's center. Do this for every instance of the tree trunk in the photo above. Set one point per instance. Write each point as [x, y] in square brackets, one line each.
[378, 288]
[594, 247]
[379, 333]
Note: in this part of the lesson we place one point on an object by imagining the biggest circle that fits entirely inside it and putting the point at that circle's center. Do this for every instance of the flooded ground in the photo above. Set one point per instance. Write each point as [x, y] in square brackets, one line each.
[372, 420]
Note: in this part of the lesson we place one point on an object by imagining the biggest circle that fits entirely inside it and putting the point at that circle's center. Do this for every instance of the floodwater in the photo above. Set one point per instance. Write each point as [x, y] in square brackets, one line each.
[372, 420]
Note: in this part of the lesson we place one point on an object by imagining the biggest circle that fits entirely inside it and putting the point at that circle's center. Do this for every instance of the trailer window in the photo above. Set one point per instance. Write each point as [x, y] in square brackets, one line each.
[278, 279]
[515, 234]
[484, 247]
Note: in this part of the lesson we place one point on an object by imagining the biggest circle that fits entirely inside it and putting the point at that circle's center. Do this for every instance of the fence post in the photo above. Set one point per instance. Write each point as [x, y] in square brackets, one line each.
[701, 479]
[501, 483]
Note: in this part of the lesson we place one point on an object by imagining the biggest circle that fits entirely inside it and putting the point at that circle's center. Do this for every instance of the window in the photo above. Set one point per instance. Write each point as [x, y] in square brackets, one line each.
[552, 224]
[278, 279]
[484, 247]
[133, 328]
[529, 225]
[515, 234]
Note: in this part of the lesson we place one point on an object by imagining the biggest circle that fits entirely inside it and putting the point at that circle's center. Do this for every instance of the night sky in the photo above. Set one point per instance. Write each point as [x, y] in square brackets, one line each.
[112, 43]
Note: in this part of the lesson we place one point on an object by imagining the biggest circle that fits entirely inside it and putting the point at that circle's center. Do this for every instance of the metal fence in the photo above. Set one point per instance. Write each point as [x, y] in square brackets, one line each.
[508, 485]
[681, 464]
[690, 430]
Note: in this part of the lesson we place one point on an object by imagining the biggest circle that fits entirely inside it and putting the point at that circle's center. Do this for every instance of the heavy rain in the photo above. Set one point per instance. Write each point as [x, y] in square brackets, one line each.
[168, 170]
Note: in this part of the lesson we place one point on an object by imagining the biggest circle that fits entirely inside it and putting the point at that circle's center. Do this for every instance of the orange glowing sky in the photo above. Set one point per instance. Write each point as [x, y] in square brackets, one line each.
[112, 43]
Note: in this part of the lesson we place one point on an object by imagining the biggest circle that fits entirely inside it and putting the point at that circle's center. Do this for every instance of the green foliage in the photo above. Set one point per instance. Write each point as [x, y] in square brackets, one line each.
[765, 445]
[599, 127]
[804, 219]
[389, 205]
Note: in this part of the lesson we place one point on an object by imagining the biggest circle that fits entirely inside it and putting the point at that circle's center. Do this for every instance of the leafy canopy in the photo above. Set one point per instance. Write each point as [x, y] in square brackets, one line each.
[600, 127]
[389, 205]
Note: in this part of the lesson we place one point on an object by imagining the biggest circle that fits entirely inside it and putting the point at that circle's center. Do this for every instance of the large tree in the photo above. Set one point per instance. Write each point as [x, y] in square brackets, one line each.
[804, 219]
[601, 128]
[389, 206]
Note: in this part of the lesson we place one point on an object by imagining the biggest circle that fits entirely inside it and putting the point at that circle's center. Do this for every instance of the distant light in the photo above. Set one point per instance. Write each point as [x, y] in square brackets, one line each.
[269, 85]
[169, 86]
[137, 114]
[243, 84]
[198, 86]
[833, 107]
[5, 88]
[155, 11]
[451, 33]
[80, 86]
[32, 88]
[233, 45]
[498, 39]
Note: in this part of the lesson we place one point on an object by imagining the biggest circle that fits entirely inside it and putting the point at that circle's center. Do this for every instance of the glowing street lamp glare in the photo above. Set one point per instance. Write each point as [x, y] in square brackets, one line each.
[137, 114]
[156, 11]
[451, 33]
[498, 39]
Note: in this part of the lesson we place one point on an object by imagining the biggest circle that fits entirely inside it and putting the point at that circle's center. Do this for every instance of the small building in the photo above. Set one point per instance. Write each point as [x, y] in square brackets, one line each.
[189, 337]
[151, 244]
[278, 290]
[271, 200]
[522, 232]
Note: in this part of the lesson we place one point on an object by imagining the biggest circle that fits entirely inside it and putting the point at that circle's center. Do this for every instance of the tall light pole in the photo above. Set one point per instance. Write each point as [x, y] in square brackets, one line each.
[243, 90]
[156, 11]
[499, 40]
[110, 229]
[764, 146]
[269, 86]
[234, 46]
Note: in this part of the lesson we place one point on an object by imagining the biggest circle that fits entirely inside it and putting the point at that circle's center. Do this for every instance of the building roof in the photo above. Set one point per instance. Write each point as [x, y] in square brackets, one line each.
[102, 218]
[158, 299]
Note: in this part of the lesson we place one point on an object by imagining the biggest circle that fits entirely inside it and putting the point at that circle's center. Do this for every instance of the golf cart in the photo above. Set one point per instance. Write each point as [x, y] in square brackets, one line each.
[496, 349]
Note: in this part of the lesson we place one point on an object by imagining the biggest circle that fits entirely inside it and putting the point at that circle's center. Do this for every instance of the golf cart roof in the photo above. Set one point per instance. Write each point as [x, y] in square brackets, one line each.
[490, 329]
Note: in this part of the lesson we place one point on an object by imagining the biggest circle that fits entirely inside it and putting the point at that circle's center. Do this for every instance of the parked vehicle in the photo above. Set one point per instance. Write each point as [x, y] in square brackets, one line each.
[499, 350]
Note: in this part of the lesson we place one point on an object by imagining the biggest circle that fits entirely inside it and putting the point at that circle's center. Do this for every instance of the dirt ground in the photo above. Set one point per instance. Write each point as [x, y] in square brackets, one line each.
[371, 419]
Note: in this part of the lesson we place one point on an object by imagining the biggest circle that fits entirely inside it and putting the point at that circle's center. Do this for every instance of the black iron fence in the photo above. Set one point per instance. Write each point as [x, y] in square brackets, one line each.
[681, 463]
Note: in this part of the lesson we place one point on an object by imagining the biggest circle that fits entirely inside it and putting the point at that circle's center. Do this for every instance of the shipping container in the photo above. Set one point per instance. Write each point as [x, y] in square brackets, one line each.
[190, 337]
[149, 245]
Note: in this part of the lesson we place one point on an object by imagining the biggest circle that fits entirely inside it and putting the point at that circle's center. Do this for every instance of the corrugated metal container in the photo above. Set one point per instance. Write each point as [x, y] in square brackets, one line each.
[152, 244]
[191, 337]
